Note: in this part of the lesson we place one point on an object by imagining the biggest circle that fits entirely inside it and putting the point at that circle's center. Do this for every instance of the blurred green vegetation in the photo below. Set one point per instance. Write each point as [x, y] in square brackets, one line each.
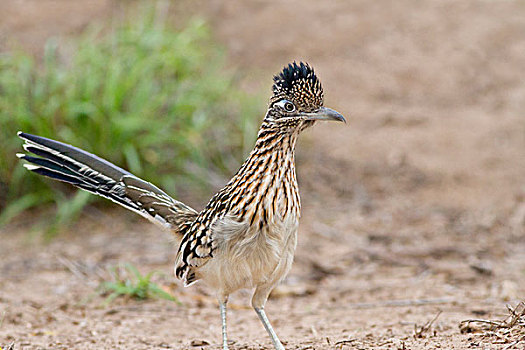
[129, 282]
[151, 99]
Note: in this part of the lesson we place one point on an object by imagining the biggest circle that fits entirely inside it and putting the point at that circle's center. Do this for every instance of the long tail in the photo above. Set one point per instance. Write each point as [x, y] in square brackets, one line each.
[70, 164]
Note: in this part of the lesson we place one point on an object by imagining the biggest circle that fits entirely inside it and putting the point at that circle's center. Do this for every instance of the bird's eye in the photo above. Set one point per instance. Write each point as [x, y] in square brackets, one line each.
[289, 107]
[286, 105]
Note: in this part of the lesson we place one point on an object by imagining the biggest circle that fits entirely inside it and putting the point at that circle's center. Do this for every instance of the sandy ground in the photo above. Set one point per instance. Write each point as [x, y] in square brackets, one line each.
[416, 207]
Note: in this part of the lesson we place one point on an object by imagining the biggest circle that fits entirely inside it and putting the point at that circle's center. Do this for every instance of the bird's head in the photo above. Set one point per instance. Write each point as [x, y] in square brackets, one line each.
[297, 100]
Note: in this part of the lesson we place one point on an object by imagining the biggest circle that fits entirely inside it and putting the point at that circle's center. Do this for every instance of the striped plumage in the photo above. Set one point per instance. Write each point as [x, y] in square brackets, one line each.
[264, 189]
[246, 235]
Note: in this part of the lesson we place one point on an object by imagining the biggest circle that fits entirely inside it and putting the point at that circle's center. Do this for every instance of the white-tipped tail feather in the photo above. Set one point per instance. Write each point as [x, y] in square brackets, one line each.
[84, 170]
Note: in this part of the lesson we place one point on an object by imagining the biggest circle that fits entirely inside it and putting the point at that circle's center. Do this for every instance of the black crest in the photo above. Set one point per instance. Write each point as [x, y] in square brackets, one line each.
[292, 74]
[299, 82]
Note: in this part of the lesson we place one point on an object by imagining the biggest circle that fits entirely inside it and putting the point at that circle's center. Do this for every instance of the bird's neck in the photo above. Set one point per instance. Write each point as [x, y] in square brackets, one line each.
[269, 171]
[273, 154]
[272, 139]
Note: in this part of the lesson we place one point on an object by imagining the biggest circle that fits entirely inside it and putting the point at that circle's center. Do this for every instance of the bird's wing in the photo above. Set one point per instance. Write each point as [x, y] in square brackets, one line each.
[195, 249]
[213, 227]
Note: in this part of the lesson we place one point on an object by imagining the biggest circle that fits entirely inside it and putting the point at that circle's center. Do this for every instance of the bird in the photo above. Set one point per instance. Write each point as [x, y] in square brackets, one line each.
[246, 236]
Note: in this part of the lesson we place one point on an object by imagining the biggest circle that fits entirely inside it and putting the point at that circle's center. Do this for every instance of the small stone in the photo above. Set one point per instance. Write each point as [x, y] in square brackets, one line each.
[200, 342]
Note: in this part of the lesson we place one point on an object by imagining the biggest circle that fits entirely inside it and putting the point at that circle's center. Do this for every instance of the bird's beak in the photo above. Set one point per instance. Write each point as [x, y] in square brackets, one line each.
[325, 113]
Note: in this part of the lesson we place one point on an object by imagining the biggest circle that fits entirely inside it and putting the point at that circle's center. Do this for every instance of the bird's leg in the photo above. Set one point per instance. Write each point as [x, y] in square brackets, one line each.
[269, 329]
[258, 301]
[222, 305]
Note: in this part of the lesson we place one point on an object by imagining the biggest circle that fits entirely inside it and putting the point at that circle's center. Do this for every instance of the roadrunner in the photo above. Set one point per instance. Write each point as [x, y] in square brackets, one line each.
[246, 236]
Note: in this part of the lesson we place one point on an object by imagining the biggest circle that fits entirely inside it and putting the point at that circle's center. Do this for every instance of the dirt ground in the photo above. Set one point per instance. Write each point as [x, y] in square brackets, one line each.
[416, 206]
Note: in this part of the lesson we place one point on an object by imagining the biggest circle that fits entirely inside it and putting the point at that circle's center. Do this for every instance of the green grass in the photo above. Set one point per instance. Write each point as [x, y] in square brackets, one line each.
[151, 99]
[129, 282]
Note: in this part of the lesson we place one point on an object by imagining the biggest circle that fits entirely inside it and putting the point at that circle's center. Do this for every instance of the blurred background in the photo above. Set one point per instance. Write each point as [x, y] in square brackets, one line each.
[416, 206]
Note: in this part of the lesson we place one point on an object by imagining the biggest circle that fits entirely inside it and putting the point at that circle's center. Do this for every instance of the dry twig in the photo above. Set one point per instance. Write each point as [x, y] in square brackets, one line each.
[420, 333]
[341, 343]
[10, 346]
[509, 331]
[513, 319]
